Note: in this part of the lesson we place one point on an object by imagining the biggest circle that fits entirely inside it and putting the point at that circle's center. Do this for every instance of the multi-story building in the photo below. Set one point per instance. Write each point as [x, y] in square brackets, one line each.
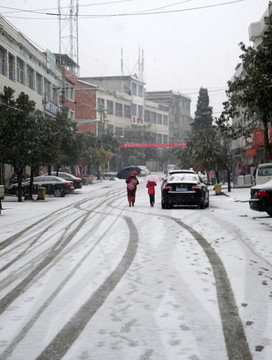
[26, 69]
[121, 105]
[179, 112]
[38, 74]
[250, 151]
[156, 120]
[85, 107]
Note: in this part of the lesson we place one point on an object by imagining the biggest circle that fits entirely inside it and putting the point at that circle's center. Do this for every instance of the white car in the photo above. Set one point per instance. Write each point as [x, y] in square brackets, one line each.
[144, 170]
[263, 173]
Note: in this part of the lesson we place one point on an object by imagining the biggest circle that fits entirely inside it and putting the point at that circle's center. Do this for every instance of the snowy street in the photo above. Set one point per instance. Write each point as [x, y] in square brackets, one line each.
[87, 277]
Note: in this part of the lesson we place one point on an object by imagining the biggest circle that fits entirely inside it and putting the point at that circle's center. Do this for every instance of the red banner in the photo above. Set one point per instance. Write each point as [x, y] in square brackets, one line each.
[258, 138]
[167, 145]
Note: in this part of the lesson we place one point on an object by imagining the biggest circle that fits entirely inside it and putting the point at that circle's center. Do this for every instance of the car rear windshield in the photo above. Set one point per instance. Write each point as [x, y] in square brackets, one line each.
[265, 171]
[183, 178]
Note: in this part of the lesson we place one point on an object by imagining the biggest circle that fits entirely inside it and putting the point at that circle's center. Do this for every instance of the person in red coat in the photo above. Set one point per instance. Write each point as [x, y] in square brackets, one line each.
[151, 191]
[132, 183]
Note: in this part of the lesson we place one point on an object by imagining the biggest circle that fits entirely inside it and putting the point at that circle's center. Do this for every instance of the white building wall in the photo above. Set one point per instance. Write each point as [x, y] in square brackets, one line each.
[14, 44]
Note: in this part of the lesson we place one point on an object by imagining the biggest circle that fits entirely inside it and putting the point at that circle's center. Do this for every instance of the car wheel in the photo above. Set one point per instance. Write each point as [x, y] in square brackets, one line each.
[208, 203]
[163, 205]
[202, 204]
[58, 192]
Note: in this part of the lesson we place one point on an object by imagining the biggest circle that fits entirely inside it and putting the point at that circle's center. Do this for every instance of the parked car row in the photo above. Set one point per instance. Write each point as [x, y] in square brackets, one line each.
[54, 185]
[69, 177]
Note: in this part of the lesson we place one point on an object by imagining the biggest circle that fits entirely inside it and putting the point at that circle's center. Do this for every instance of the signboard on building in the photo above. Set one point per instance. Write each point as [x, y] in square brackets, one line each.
[51, 108]
[251, 152]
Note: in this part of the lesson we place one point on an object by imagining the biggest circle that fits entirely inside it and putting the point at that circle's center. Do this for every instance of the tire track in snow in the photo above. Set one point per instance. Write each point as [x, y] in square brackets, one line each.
[53, 252]
[20, 336]
[235, 338]
[38, 223]
[71, 331]
[56, 249]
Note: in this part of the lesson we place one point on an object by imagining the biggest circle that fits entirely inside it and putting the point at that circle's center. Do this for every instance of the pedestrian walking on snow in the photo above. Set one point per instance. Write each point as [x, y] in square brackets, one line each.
[132, 183]
[151, 191]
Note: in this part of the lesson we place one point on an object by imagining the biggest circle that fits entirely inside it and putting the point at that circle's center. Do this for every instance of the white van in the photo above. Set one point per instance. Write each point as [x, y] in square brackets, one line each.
[263, 173]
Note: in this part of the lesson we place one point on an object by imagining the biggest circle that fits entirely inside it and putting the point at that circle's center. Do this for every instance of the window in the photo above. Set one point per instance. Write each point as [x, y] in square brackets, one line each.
[127, 111]
[165, 120]
[159, 118]
[140, 90]
[134, 109]
[140, 111]
[47, 90]
[100, 104]
[71, 92]
[55, 95]
[134, 88]
[30, 77]
[147, 116]
[39, 87]
[118, 109]
[153, 117]
[159, 138]
[11, 67]
[3, 61]
[20, 71]
[110, 106]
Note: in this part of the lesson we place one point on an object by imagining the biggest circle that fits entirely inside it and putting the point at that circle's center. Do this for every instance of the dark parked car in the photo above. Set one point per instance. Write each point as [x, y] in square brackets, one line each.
[53, 185]
[184, 189]
[261, 197]
[69, 177]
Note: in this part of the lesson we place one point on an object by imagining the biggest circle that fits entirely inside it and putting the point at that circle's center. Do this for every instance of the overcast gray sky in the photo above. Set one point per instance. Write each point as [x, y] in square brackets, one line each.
[187, 44]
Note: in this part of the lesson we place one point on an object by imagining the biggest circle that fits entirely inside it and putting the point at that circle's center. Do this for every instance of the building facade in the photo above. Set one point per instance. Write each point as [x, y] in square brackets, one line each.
[38, 74]
[250, 152]
[121, 105]
[26, 69]
[179, 112]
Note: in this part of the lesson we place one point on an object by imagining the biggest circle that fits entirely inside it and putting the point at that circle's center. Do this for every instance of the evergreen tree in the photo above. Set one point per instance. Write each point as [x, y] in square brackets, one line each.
[67, 140]
[17, 132]
[203, 115]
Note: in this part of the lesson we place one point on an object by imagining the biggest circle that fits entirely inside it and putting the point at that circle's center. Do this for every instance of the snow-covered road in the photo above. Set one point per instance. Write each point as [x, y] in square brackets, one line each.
[87, 277]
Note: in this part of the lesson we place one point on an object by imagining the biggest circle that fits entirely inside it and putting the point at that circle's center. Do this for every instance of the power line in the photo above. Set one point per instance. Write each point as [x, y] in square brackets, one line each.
[65, 7]
[161, 12]
[139, 13]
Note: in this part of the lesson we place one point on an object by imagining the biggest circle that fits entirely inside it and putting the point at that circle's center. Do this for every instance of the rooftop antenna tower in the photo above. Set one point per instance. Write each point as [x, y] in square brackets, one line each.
[68, 30]
[139, 65]
[122, 62]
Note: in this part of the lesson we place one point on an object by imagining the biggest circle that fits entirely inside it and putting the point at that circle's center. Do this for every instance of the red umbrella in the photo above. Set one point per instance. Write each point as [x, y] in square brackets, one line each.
[153, 177]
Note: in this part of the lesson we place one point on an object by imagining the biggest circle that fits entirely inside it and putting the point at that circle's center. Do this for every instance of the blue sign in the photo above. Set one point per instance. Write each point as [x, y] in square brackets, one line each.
[51, 108]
